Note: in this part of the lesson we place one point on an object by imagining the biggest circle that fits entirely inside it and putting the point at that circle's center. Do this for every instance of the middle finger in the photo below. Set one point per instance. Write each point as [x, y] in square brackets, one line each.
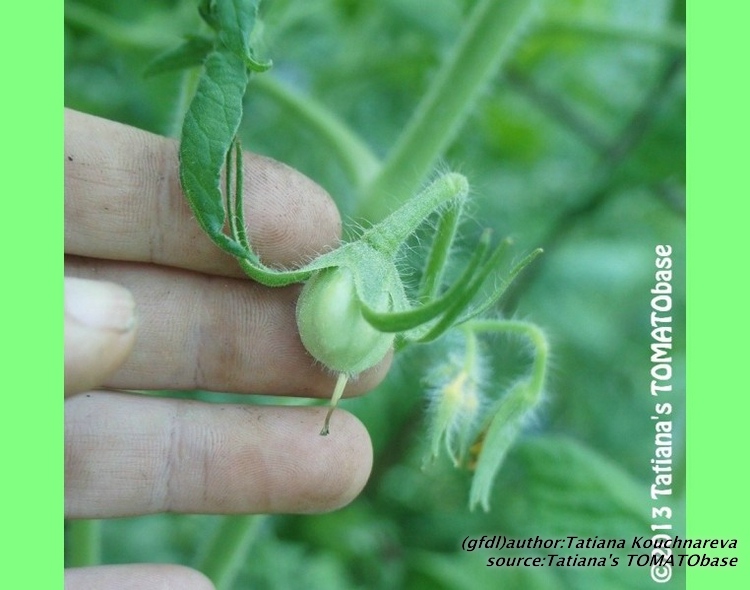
[213, 333]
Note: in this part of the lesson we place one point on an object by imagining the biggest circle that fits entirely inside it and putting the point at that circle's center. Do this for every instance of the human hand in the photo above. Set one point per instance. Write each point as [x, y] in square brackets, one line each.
[152, 304]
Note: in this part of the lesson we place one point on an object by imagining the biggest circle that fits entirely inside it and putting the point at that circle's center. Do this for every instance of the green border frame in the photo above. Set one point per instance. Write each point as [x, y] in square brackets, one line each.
[32, 433]
[717, 317]
[718, 322]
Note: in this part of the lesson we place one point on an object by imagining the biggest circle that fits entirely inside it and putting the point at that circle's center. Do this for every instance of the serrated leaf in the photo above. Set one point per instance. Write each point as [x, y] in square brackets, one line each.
[208, 131]
[236, 19]
[210, 128]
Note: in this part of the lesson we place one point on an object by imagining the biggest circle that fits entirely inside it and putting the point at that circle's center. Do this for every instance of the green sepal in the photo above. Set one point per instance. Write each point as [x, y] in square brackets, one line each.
[413, 318]
[439, 252]
[500, 291]
[451, 317]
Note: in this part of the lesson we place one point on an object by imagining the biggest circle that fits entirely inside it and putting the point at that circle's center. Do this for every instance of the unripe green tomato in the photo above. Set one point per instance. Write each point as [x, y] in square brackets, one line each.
[332, 327]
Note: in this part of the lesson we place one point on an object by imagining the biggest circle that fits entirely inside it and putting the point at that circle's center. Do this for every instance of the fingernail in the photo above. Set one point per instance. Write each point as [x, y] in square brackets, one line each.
[100, 305]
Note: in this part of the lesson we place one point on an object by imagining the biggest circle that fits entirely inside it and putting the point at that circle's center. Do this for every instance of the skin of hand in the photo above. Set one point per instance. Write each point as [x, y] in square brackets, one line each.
[152, 304]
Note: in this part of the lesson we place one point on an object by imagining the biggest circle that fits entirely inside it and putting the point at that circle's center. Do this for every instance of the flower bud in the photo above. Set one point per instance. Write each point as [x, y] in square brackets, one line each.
[456, 403]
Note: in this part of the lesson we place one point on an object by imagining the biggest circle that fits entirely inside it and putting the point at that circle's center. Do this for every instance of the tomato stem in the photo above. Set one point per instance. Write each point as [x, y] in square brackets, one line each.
[488, 39]
[337, 393]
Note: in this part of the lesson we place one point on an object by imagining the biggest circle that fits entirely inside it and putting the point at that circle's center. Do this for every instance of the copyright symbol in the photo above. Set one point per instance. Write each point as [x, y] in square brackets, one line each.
[661, 573]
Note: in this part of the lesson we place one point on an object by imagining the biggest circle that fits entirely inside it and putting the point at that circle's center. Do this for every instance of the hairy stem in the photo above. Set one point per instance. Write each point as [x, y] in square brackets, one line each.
[670, 36]
[388, 236]
[485, 43]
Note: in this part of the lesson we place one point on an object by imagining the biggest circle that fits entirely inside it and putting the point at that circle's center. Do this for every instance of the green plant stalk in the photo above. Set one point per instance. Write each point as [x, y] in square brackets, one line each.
[388, 236]
[84, 538]
[671, 36]
[486, 41]
[357, 160]
[228, 549]
[341, 381]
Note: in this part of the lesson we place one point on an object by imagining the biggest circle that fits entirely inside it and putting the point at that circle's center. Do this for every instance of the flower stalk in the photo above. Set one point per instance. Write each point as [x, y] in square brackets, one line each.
[513, 409]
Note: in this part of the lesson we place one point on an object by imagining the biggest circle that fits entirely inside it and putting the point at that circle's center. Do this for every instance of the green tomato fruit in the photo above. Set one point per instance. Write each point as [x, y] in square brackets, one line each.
[331, 325]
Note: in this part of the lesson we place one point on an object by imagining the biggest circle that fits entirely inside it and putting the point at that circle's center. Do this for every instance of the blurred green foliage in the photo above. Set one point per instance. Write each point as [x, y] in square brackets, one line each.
[577, 146]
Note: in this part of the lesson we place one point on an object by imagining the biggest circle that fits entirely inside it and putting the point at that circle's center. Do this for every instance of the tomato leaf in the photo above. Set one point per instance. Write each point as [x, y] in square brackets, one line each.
[211, 123]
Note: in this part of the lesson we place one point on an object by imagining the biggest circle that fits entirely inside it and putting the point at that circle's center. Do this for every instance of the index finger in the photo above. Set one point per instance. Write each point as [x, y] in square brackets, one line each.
[123, 201]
